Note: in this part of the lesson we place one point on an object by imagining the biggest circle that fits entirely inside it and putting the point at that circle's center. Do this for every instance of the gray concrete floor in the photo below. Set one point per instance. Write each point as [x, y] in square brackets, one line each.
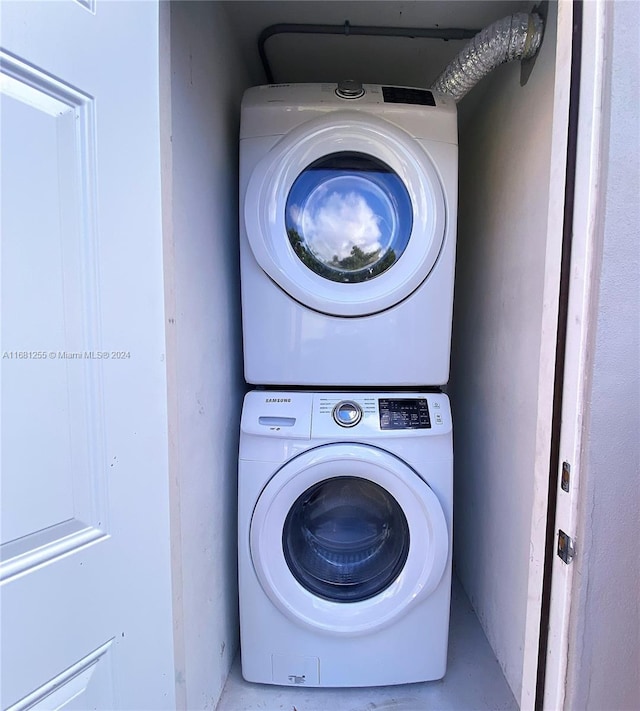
[474, 681]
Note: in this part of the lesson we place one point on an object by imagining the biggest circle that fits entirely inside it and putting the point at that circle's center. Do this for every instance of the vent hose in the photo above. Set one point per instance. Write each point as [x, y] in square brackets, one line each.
[517, 36]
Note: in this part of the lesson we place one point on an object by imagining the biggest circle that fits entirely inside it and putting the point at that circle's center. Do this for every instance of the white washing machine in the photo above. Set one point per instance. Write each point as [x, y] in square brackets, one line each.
[348, 201]
[345, 520]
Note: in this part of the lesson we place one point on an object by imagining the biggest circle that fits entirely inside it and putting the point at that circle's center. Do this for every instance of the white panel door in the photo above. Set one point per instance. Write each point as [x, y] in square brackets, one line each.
[85, 563]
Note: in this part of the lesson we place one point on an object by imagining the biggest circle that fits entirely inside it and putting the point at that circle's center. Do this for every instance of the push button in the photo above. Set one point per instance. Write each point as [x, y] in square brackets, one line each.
[347, 413]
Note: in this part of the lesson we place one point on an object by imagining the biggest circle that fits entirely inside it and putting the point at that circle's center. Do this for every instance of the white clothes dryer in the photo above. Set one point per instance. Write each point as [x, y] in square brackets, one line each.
[344, 537]
[348, 204]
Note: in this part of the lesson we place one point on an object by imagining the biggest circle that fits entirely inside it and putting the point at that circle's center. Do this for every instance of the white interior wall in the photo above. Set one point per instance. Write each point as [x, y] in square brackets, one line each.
[605, 619]
[377, 60]
[203, 80]
[498, 354]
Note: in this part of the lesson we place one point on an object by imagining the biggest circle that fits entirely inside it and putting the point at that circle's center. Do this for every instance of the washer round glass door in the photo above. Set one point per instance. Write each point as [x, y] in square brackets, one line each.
[347, 537]
[346, 214]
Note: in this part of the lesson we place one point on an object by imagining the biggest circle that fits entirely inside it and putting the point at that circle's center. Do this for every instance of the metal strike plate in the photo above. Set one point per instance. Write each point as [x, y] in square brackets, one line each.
[566, 547]
[566, 476]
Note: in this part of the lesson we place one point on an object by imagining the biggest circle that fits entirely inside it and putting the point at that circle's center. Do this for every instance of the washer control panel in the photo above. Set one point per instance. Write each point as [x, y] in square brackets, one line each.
[395, 414]
[294, 415]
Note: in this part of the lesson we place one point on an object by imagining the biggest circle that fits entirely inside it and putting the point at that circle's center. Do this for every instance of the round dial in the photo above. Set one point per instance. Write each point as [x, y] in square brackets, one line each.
[347, 413]
[350, 89]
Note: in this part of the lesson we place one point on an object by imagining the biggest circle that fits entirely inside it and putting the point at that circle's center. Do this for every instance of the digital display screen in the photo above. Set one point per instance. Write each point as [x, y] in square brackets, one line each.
[403, 95]
[404, 414]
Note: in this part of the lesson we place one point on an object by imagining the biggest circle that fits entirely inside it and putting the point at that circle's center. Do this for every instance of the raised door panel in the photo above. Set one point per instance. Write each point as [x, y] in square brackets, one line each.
[52, 426]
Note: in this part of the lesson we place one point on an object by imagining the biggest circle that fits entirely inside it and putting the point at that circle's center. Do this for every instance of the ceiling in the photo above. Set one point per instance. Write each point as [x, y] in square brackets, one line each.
[382, 60]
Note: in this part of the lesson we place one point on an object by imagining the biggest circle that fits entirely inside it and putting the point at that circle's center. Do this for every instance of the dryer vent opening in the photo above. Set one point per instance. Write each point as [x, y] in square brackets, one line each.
[517, 36]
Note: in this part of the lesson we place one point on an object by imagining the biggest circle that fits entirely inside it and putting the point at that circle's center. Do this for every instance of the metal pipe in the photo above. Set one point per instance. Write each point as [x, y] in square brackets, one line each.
[347, 29]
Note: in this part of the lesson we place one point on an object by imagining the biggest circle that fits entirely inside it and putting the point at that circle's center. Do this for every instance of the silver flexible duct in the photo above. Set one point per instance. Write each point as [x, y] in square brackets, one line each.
[517, 36]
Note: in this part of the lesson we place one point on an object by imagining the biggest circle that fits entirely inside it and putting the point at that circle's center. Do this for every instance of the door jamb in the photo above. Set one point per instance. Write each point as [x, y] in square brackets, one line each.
[580, 321]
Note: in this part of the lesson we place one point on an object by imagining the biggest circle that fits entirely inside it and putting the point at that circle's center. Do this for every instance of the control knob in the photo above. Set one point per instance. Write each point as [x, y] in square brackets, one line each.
[347, 413]
[350, 89]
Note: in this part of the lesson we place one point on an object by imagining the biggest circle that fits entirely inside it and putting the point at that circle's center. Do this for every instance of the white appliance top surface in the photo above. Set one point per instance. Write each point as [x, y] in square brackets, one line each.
[345, 415]
[275, 109]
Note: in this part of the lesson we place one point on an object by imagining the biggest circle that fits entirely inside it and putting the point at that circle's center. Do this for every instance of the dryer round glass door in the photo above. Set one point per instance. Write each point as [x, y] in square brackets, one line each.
[348, 217]
[347, 537]
[346, 214]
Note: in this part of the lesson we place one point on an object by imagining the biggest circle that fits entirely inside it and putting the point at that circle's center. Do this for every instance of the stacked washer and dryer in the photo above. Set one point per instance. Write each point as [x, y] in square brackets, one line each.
[347, 245]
